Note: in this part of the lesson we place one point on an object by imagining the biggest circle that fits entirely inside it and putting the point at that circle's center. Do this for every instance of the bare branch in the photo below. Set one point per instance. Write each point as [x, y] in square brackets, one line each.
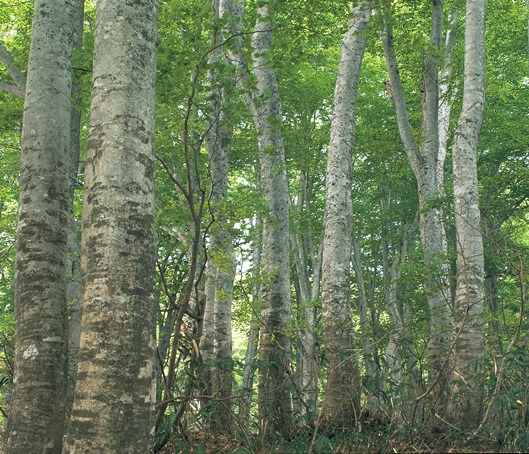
[19, 87]
[12, 89]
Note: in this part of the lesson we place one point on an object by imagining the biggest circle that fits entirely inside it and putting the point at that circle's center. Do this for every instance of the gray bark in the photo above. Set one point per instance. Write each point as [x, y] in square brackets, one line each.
[220, 270]
[275, 414]
[37, 414]
[307, 369]
[274, 345]
[18, 88]
[470, 343]
[425, 161]
[116, 388]
[341, 407]
[250, 362]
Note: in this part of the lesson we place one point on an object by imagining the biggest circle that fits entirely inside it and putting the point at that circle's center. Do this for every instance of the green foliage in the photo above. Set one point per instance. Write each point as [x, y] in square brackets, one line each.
[305, 54]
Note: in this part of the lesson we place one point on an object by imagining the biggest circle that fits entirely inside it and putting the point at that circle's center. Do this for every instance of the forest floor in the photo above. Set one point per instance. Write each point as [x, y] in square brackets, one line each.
[364, 442]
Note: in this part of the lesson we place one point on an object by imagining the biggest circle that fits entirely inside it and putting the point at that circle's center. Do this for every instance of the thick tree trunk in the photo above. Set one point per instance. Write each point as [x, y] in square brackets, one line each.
[115, 392]
[425, 161]
[470, 343]
[341, 407]
[37, 415]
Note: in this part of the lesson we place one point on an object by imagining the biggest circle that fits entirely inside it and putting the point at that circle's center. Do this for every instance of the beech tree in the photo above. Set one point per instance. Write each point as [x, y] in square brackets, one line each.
[115, 392]
[264, 104]
[37, 416]
[341, 407]
[427, 161]
[220, 271]
[470, 341]
[311, 140]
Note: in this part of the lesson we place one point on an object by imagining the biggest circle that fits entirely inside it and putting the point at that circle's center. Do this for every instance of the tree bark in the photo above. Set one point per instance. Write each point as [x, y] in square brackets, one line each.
[37, 415]
[341, 407]
[116, 388]
[275, 414]
[425, 161]
[306, 258]
[220, 269]
[18, 88]
[250, 362]
[470, 343]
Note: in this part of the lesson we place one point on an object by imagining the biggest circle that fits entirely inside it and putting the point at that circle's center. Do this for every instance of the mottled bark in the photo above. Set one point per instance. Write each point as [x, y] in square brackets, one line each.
[115, 392]
[341, 407]
[220, 269]
[220, 278]
[275, 414]
[37, 414]
[425, 161]
[470, 343]
[274, 346]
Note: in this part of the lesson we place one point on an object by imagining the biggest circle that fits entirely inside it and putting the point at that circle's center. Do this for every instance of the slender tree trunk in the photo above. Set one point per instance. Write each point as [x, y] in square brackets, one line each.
[37, 414]
[18, 87]
[304, 255]
[250, 362]
[397, 355]
[116, 388]
[470, 343]
[341, 407]
[373, 377]
[372, 371]
[275, 414]
[425, 162]
[220, 270]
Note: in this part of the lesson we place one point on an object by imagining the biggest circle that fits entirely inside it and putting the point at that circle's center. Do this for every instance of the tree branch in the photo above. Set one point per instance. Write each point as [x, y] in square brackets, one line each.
[19, 87]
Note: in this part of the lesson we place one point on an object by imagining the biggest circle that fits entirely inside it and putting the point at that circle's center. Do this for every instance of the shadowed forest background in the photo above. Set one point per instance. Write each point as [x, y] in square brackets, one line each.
[264, 226]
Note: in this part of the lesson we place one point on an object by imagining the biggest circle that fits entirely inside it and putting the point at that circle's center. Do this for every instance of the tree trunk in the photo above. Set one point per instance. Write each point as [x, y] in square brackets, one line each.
[220, 270]
[372, 371]
[275, 414]
[37, 415]
[115, 392]
[425, 162]
[341, 407]
[308, 292]
[470, 343]
[250, 362]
